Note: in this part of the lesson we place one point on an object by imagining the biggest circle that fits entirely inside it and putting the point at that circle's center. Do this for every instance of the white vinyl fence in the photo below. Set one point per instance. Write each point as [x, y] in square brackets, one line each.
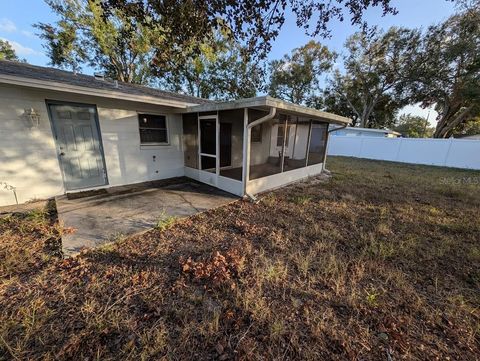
[456, 153]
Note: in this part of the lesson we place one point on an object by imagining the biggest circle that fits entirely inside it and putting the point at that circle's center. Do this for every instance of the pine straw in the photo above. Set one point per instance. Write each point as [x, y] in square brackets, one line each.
[382, 261]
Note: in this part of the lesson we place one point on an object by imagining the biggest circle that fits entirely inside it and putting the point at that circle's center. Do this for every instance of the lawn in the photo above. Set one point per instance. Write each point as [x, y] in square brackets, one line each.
[382, 262]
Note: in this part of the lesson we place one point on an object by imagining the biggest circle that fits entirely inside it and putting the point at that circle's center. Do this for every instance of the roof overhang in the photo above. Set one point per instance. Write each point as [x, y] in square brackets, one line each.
[75, 89]
[267, 102]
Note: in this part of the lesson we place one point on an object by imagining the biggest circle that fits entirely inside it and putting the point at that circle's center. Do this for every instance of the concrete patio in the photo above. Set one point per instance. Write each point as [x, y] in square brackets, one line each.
[121, 211]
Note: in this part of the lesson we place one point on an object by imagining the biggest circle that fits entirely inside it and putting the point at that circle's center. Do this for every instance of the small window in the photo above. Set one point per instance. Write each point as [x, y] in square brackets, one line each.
[257, 134]
[280, 133]
[153, 129]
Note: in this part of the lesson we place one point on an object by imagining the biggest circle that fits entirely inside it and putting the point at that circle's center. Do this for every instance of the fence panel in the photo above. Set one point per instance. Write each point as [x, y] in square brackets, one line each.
[456, 153]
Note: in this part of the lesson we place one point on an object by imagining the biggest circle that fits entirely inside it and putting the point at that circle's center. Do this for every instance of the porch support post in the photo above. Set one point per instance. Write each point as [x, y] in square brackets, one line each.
[327, 134]
[308, 142]
[285, 128]
[247, 133]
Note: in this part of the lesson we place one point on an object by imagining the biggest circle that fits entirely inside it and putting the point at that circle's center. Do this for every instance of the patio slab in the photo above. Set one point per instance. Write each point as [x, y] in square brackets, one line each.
[121, 211]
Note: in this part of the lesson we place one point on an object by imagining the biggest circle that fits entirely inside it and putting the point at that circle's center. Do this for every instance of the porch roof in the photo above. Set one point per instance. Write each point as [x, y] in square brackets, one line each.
[267, 102]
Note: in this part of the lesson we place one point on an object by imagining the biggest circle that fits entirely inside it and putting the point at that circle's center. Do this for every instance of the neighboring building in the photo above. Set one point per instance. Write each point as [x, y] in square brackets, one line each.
[473, 137]
[365, 132]
[63, 132]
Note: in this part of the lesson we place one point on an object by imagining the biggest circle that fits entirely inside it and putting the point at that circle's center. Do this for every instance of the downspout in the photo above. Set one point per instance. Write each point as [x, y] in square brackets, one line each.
[247, 139]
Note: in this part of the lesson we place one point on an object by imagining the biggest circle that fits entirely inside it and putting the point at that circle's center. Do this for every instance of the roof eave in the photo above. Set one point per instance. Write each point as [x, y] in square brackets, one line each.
[269, 102]
[75, 89]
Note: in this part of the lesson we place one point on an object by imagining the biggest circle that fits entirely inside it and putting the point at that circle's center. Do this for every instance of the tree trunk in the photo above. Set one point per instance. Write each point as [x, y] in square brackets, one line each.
[449, 121]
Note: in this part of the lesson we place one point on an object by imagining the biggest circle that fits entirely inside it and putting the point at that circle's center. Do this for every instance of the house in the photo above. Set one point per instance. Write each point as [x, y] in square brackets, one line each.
[364, 132]
[472, 137]
[62, 132]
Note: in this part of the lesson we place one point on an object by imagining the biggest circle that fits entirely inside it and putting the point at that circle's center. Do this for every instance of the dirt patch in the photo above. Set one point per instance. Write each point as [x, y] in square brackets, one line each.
[381, 262]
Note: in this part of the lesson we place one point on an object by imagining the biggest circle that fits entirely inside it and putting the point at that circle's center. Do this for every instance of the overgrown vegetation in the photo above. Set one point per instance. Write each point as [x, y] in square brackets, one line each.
[382, 262]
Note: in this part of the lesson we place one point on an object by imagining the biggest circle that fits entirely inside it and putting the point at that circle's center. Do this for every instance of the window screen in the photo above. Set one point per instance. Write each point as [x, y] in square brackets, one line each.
[153, 129]
[257, 134]
[280, 134]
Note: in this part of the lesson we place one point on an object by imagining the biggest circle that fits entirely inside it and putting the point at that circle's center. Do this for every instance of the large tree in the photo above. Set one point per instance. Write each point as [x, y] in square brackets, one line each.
[220, 71]
[120, 46]
[446, 72]
[7, 52]
[297, 77]
[375, 73]
[253, 23]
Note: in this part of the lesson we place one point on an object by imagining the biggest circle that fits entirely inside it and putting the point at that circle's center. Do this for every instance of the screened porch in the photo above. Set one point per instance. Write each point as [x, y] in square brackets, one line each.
[246, 149]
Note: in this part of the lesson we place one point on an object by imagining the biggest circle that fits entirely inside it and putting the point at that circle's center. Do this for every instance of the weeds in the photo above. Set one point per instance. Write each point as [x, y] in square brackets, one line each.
[165, 222]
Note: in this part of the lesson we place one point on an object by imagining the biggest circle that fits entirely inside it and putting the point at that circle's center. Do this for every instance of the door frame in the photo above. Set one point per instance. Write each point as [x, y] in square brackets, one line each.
[48, 103]
[217, 148]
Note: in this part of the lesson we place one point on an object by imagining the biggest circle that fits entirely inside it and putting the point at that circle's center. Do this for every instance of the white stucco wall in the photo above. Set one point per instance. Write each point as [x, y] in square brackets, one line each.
[28, 155]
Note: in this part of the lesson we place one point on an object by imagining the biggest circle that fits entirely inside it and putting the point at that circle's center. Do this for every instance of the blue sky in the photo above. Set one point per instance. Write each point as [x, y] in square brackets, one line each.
[17, 17]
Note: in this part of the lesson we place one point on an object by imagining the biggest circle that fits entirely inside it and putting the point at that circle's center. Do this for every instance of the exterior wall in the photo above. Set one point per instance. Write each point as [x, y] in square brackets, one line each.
[235, 117]
[28, 155]
[260, 151]
[456, 153]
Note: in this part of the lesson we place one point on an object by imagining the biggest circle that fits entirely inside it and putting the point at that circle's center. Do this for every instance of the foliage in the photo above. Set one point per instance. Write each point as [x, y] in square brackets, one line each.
[7, 52]
[296, 77]
[120, 46]
[446, 71]
[412, 126]
[221, 71]
[471, 127]
[188, 23]
[373, 85]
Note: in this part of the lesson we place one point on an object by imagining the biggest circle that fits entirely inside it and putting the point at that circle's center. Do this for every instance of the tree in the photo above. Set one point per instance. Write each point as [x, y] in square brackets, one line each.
[412, 126]
[220, 71]
[296, 77]
[186, 24]
[471, 127]
[446, 71]
[7, 52]
[119, 46]
[373, 85]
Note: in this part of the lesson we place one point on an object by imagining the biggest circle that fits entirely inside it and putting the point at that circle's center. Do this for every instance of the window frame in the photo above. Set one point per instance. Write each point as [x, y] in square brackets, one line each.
[167, 130]
[282, 135]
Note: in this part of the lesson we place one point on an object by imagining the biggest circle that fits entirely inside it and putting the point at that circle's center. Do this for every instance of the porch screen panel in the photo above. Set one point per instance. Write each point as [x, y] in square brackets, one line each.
[190, 140]
[231, 143]
[266, 147]
[318, 143]
[296, 147]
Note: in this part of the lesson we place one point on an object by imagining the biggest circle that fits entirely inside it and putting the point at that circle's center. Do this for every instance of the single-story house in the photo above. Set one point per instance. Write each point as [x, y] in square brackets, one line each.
[364, 132]
[63, 132]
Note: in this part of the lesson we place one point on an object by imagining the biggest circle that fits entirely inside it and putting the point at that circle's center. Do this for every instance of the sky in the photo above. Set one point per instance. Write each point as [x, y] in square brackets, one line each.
[18, 16]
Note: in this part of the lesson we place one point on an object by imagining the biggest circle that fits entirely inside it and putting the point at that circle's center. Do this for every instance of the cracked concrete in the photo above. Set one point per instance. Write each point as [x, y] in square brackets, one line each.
[100, 219]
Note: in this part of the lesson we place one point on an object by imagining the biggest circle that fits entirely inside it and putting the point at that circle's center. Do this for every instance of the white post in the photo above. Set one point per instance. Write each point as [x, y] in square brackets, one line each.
[217, 149]
[247, 133]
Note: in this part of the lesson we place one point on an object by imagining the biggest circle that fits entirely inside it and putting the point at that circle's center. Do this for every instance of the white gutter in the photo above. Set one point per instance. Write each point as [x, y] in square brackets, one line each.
[246, 144]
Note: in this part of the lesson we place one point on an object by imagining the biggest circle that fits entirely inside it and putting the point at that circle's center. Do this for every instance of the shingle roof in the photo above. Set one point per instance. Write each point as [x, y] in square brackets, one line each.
[24, 70]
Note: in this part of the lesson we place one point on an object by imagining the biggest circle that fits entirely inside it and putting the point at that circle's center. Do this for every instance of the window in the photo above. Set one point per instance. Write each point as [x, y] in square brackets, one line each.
[257, 134]
[280, 136]
[153, 129]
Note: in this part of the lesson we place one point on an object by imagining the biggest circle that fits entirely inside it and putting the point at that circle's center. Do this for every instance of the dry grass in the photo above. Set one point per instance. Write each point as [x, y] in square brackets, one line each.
[382, 262]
